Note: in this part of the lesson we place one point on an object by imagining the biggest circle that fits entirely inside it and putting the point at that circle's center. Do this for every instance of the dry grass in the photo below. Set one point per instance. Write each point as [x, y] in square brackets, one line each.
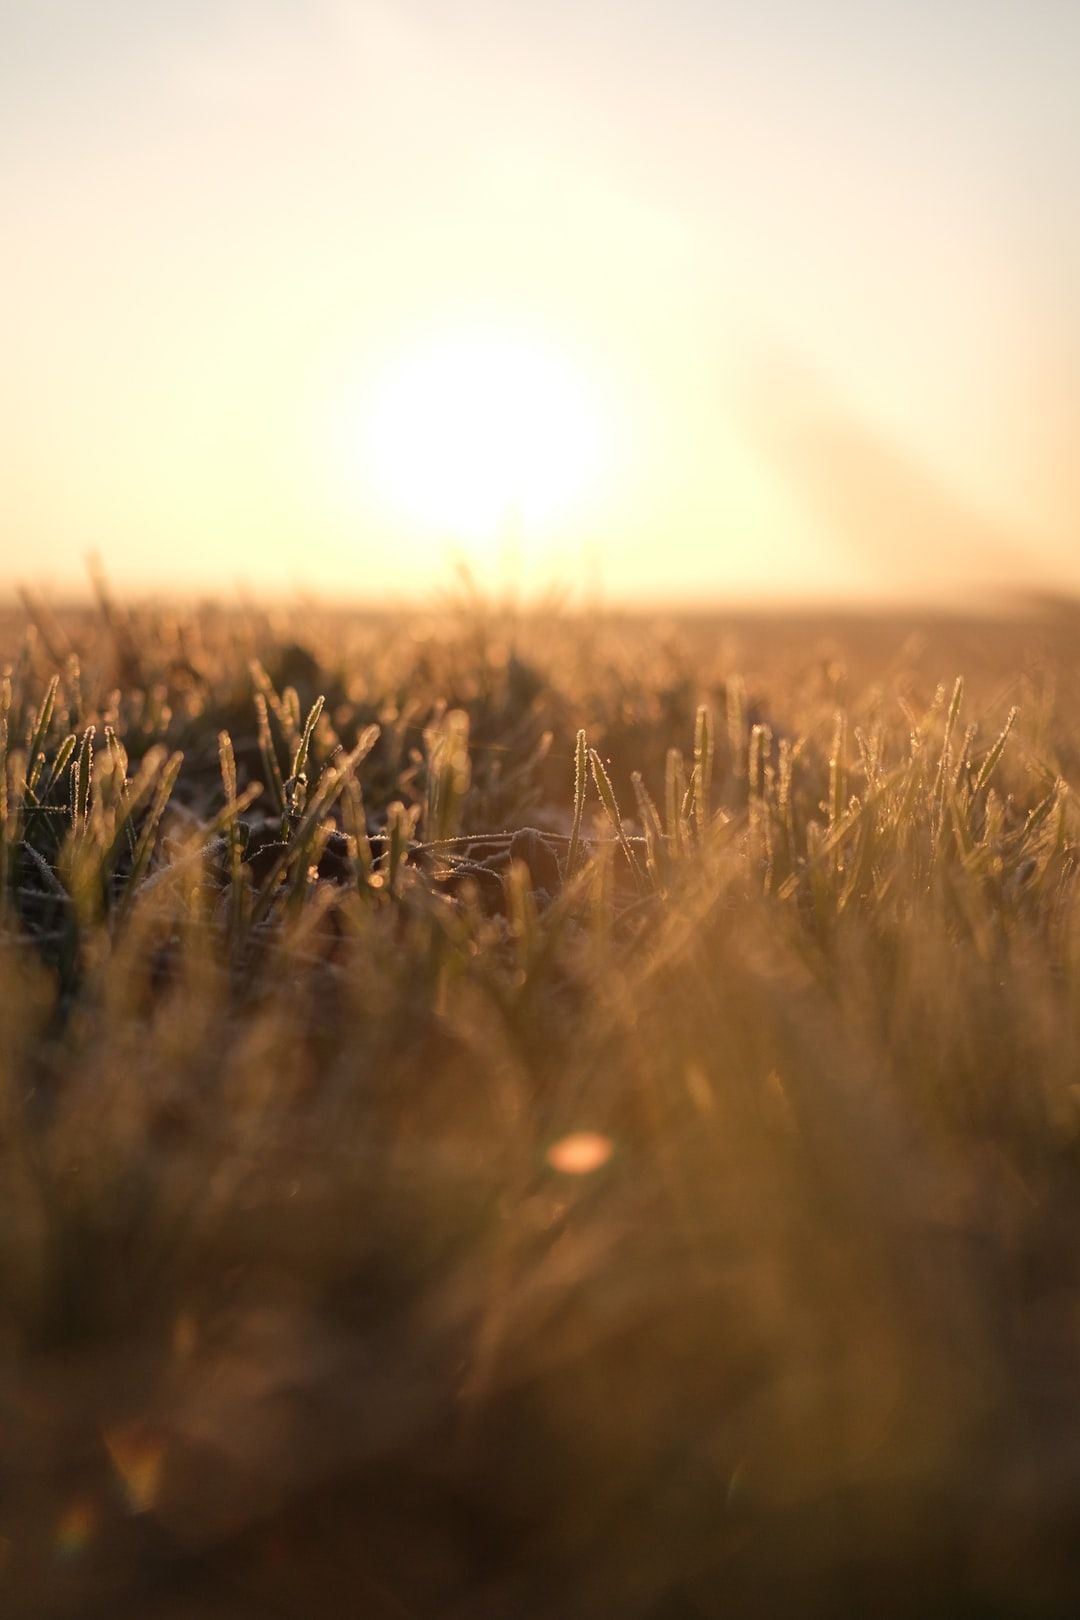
[310, 1301]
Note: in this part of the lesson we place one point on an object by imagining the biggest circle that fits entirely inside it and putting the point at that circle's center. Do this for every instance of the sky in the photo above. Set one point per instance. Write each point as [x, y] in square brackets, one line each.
[676, 300]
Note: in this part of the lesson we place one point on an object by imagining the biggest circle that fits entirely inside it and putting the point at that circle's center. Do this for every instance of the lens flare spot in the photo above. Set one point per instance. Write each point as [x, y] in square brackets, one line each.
[75, 1530]
[580, 1153]
[138, 1455]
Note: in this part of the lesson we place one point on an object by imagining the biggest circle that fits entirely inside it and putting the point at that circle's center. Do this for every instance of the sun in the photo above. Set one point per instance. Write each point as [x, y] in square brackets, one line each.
[471, 431]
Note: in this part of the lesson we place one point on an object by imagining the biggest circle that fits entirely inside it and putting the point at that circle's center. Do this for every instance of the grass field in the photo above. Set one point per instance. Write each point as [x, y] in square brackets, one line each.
[538, 1115]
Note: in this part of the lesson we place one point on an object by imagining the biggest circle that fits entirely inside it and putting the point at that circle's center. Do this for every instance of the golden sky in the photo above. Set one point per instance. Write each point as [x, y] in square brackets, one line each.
[690, 298]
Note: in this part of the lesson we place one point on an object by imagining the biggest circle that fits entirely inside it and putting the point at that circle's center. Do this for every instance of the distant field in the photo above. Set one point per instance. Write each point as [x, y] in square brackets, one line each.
[532, 1115]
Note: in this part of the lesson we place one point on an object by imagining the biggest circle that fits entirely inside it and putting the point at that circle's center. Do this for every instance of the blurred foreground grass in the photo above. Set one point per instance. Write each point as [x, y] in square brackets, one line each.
[525, 1117]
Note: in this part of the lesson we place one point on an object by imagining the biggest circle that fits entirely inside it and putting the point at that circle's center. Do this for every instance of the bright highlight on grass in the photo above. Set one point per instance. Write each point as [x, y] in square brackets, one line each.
[479, 431]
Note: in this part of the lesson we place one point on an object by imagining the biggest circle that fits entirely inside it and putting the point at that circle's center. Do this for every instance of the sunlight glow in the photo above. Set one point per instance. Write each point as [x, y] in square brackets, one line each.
[476, 433]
